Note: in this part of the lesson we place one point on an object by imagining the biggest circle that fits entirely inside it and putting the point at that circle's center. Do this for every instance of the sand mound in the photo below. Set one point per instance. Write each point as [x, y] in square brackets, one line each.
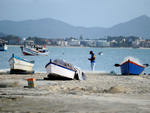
[117, 89]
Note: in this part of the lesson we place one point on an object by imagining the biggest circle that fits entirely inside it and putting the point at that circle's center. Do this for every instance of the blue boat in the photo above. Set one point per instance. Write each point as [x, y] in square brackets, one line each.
[131, 68]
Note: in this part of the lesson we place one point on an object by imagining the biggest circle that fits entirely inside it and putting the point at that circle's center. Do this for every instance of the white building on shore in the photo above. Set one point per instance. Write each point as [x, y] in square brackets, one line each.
[74, 42]
[102, 43]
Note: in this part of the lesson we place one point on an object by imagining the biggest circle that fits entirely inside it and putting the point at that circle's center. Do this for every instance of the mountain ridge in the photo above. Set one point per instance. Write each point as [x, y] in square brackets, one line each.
[52, 28]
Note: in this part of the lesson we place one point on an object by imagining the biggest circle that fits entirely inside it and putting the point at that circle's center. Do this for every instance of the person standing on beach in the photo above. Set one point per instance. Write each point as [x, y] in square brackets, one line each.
[92, 60]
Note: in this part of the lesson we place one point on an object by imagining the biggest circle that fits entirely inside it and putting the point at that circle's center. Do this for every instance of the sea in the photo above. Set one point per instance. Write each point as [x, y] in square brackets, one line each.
[78, 56]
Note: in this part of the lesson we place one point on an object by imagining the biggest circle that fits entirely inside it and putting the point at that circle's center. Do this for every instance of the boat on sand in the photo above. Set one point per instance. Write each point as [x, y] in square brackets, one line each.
[19, 65]
[61, 70]
[131, 67]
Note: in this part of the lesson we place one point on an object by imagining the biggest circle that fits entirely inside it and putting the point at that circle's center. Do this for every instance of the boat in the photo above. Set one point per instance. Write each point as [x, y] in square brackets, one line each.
[19, 65]
[100, 53]
[59, 69]
[29, 48]
[131, 67]
[3, 45]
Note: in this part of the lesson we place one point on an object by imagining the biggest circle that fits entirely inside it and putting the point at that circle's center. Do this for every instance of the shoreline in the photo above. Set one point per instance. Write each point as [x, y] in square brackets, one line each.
[85, 47]
[6, 71]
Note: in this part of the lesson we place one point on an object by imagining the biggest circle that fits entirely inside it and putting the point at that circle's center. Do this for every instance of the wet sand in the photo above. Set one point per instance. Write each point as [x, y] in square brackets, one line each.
[100, 93]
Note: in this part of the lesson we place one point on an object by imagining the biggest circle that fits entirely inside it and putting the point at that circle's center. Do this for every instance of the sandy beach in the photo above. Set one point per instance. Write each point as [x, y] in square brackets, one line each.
[100, 93]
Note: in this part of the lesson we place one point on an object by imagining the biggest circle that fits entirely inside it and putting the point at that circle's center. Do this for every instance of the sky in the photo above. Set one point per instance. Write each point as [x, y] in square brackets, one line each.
[86, 13]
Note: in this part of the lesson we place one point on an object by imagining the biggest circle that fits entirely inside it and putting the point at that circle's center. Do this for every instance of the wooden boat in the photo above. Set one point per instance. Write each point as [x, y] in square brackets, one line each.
[59, 69]
[30, 49]
[20, 65]
[130, 67]
[3, 46]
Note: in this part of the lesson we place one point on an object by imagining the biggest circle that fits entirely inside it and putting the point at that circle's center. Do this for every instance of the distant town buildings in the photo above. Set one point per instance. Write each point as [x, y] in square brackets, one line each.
[115, 41]
[144, 43]
[102, 43]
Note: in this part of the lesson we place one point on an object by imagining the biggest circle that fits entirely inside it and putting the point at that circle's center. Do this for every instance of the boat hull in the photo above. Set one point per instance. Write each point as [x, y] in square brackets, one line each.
[18, 65]
[56, 71]
[3, 48]
[131, 68]
[33, 52]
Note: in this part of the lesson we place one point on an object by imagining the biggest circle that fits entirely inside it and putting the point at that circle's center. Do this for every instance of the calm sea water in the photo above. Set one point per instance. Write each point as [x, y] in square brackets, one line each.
[79, 57]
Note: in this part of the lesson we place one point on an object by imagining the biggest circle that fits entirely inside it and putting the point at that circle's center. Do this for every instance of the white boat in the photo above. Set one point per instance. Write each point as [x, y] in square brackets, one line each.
[3, 46]
[34, 51]
[100, 53]
[20, 65]
[59, 69]
[30, 49]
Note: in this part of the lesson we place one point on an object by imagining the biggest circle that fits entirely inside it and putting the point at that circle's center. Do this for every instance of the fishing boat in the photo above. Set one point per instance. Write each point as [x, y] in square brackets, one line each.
[59, 69]
[20, 66]
[29, 48]
[3, 45]
[130, 67]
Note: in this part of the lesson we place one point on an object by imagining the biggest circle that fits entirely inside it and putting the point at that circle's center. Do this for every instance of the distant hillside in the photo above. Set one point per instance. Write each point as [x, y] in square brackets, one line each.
[139, 26]
[51, 28]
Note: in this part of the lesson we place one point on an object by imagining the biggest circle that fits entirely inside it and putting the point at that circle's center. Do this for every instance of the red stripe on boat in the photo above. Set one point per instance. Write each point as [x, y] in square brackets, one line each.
[132, 63]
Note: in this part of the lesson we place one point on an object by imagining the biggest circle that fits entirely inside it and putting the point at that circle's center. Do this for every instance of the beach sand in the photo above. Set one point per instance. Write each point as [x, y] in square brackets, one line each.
[100, 93]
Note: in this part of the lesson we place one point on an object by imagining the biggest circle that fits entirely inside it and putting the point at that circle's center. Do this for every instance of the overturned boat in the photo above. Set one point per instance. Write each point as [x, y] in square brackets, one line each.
[19, 65]
[61, 70]
[131, 67]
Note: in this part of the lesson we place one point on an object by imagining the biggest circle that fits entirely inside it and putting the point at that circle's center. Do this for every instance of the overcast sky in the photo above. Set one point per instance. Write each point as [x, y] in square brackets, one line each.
[88, 13]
